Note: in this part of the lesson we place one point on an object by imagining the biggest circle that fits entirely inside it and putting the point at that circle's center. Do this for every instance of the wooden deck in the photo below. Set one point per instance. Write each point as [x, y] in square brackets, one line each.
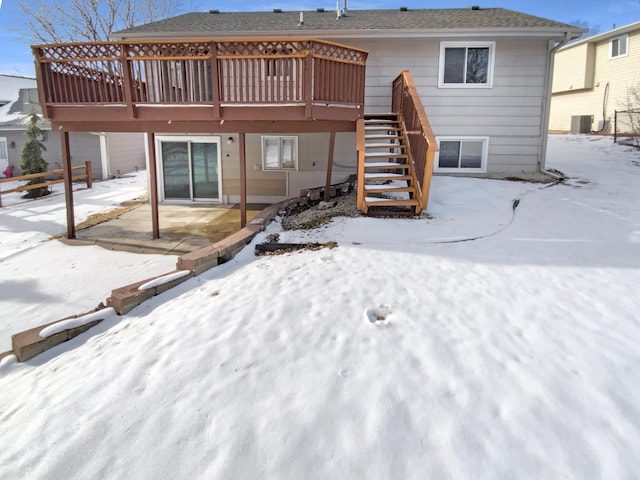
[200, 81]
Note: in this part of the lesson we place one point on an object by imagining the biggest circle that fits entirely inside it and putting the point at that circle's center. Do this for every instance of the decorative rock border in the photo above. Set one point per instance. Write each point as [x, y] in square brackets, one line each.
[126, 298]
[29, 343]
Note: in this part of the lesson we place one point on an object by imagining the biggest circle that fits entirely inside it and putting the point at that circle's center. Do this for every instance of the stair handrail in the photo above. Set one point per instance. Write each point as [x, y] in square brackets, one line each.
[410, 159]
[421, 140]
[360, 148]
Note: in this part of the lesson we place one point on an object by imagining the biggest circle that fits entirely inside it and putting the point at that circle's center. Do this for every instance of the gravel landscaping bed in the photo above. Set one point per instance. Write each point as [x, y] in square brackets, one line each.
[312, 216]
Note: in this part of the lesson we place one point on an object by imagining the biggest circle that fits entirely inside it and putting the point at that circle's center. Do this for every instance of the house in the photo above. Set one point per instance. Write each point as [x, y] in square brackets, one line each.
[109, 153]
[593, 78]
[254, 106]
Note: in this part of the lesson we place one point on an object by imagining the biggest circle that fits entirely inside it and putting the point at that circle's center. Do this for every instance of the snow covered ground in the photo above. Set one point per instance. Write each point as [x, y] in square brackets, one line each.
[42, 281]
[409, 351]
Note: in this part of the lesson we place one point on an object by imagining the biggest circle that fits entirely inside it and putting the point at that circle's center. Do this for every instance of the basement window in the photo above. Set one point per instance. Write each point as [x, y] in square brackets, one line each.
[466, 65]
[462, 155]
[279, 153]
[618, 46]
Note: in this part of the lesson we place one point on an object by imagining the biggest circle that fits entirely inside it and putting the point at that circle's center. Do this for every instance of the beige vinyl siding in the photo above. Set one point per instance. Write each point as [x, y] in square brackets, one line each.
[125, 152]
[509, 113]
[620, 73]
[263, 186]
[574, 68]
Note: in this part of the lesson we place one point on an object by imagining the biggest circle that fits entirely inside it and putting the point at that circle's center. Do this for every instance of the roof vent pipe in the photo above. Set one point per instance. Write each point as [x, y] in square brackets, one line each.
[344, 10]
[301, 22]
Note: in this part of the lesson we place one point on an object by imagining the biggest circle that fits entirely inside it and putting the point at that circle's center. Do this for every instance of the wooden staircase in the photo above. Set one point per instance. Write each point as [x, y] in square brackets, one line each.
[387, 183]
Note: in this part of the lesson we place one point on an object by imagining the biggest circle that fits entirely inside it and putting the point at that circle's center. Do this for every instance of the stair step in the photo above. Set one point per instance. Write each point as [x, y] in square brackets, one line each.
[384, 145]
[389, 141]
[385, 155]
[398, 212]
[390, 121]
[388, 189]
[381, 137]
[381, 123]
[384, 176]
[390, 202]
[389, 132]
[383, 114]
[385, 165]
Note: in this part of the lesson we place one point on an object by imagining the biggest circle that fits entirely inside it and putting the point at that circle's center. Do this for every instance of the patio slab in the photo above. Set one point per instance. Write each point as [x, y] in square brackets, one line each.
[183, 228]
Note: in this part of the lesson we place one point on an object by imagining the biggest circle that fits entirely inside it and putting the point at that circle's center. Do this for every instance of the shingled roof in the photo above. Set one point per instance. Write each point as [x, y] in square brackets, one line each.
[356, 20]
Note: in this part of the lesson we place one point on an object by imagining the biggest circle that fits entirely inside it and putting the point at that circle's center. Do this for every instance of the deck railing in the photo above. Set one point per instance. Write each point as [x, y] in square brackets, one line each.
[422, 141]
[207, 73]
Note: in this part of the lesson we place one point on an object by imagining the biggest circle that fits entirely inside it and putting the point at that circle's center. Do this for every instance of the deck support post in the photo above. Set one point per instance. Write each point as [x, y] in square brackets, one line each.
[153, 185]
[215, 82]
[127, 82]
[308, 84]
[327, 185]
[67, 175]
[243, 181]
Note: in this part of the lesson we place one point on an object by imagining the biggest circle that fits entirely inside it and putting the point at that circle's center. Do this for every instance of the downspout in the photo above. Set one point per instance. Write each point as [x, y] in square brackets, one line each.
[104, 155]
[605, 98]
[547, 102]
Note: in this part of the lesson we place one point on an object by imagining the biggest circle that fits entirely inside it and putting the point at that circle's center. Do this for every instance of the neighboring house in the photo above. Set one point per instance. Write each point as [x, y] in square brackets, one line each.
[592, 79]
[254, 106]
[107, 153]
[10, 86]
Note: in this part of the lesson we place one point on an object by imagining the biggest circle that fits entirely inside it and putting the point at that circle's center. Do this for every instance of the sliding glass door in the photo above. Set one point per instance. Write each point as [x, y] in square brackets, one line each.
[190, 168]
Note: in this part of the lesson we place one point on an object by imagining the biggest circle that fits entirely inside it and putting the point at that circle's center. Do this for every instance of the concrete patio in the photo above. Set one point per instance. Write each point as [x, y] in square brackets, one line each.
[183, 228]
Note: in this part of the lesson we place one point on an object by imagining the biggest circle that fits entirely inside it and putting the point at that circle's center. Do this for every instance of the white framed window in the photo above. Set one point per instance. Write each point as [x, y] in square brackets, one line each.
[4, 153]
[466, 64]
[619, 46]
[462, 155]
[279, 153]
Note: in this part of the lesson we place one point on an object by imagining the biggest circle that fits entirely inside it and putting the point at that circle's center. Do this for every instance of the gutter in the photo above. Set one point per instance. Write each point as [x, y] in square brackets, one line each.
[547, 102]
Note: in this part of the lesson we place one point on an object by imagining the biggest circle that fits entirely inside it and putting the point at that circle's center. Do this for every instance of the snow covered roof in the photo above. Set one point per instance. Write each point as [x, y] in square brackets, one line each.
[10, 85]
[19, 100]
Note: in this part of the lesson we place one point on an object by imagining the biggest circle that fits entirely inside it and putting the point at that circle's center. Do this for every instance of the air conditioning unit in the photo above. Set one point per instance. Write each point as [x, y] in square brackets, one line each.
[581, 123]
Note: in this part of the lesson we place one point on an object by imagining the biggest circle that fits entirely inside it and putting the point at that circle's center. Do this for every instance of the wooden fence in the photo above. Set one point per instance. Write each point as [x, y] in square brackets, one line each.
[45, 183]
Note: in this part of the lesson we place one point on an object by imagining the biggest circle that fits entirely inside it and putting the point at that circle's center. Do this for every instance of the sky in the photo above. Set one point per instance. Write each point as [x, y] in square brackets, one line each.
[15, 56]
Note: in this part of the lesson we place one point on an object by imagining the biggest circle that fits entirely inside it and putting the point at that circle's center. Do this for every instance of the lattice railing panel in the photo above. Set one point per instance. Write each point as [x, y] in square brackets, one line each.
[76, 51]
[339, 52]
[263, 47]
[167, 50]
